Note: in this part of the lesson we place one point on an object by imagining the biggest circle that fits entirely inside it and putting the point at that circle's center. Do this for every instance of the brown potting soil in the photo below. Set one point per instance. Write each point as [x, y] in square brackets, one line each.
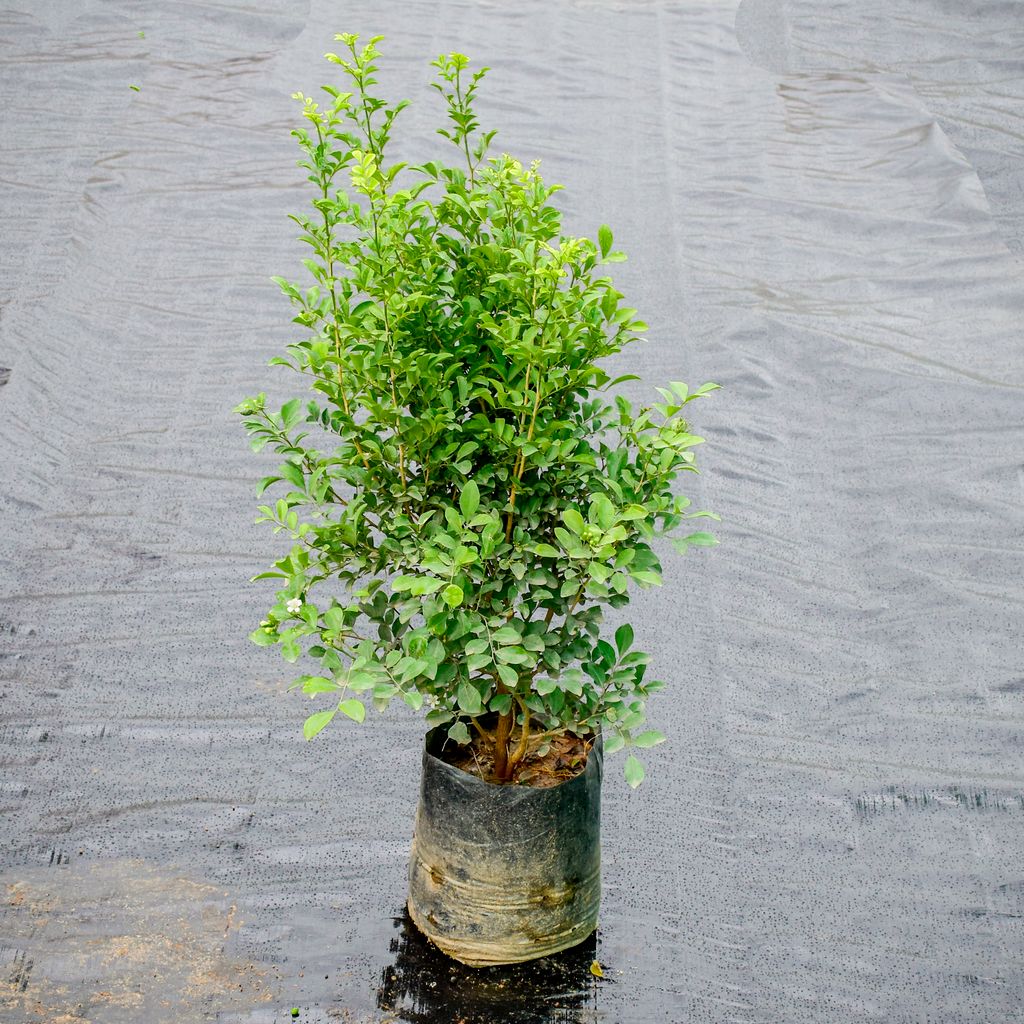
[547, 762]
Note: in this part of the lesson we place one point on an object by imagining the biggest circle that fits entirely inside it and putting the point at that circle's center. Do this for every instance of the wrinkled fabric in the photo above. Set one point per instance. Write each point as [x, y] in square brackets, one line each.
[822, 207]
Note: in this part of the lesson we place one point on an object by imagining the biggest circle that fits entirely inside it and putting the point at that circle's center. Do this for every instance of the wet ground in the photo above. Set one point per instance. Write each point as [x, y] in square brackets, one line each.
[822, 203]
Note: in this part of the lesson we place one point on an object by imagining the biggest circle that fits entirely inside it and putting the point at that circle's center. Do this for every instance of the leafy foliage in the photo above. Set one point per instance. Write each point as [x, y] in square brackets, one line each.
[461, 468]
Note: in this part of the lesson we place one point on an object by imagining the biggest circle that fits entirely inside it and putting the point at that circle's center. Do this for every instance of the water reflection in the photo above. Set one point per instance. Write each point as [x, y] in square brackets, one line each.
[423, 986]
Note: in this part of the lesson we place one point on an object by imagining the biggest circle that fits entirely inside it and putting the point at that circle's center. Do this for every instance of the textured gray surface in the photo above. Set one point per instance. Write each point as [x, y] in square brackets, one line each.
[836, 830]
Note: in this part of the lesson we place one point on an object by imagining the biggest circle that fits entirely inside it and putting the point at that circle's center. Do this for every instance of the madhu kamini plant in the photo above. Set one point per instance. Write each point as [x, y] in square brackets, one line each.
[464, 490]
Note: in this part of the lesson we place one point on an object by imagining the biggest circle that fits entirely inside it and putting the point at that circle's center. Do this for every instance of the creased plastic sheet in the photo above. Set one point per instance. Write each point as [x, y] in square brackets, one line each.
[821, 203]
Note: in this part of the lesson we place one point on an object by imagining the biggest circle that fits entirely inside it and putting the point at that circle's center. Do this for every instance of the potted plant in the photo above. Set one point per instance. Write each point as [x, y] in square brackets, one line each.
[463, 471]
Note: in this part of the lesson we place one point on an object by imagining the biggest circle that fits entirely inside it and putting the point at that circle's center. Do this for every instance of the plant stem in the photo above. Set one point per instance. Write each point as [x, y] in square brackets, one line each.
[465, 134]
[501, 736]
[484, 734]
[521, 468]
[520, 752]
[329, 252]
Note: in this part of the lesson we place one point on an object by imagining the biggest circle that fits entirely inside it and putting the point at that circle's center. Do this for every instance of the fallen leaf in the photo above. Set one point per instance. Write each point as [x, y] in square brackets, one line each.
[595, 970]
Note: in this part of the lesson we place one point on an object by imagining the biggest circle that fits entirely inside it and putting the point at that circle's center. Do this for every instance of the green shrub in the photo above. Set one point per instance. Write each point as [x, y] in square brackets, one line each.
[461, 468]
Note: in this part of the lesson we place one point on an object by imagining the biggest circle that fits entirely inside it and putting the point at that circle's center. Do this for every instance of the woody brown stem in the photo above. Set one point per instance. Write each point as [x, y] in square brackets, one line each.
[489, 737]
[501, 735]
[524, 739]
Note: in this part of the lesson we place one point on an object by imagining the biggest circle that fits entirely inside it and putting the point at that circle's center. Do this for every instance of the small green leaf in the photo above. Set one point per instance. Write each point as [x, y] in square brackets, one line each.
[512, 655]
[425, 585]
[647, 578]
[263, 637]
[469, 698]
[508, 675]
[506, 635]
[459, 733]
[650, 738]
[319, 684]
[573, 520]
[624, 638]
[501, 702]
[452, 595]
[613, 742]
[702, 539]
[634, 771]
[290, 472]
[546, 550]
[413, 698]
[469, 499]
[317, 722]
[353, 708]
[291, 413]
[602, 512]
[604, 239]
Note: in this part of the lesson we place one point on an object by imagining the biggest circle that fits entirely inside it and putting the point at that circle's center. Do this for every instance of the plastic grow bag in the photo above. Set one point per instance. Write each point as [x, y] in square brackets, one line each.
[502, 874]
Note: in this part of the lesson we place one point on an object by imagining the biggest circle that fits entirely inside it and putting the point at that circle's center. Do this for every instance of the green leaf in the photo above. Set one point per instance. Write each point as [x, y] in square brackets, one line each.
[291, 413]
[263, 637]
[647, 578]
[602, 512]
[633, 512]
[459, 733]
[319, 684]
[546, 551]
[469, 698]
[425, 585]
[604, 240]
[508, 675]
[506, 635]
[634, 771]
[702, 539]
[650, 738]
[624, 638]
[613, 743]
[290, 472]
[452, 595]
[317, 722]
[469, 499]
[501, 702]
[514, 656]
[413, 698]
[353, 708]
[574, 521]
[334, 618]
